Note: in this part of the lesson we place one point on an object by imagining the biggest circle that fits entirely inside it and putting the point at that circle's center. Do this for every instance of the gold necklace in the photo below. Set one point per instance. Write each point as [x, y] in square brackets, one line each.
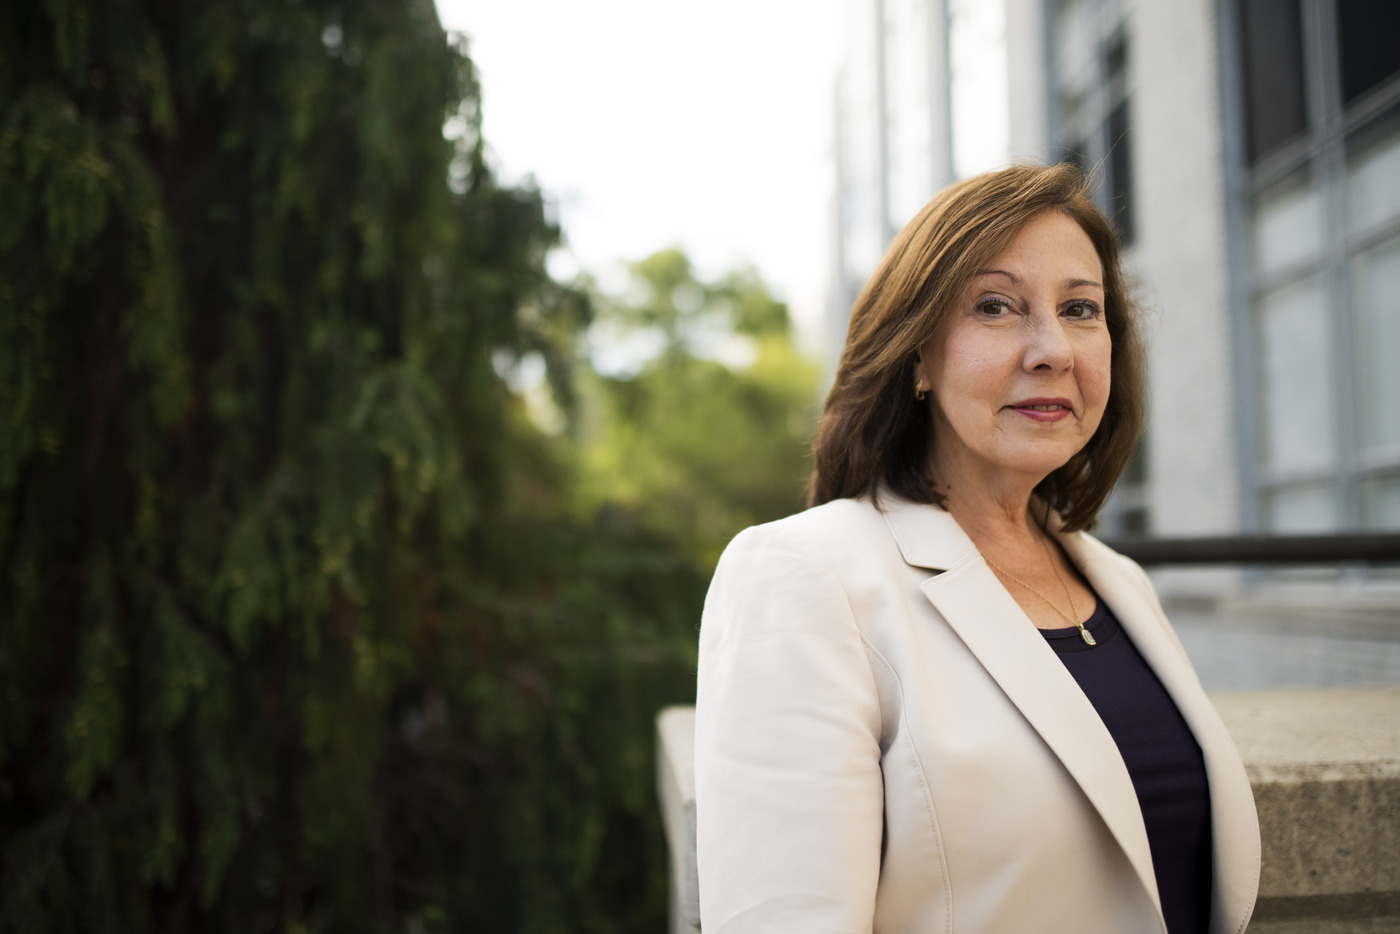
[1084, 634]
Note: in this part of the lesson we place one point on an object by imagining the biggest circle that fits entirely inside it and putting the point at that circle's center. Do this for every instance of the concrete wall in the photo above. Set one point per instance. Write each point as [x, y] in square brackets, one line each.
[1181, 254]
[1325, 767]
[1025, 80]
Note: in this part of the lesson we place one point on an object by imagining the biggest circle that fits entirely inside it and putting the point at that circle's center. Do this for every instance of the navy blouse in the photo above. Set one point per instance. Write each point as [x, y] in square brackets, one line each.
[1163, 759]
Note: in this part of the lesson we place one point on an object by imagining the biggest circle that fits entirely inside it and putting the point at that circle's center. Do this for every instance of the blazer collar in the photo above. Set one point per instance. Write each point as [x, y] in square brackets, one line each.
[995, 629]
[927, 536]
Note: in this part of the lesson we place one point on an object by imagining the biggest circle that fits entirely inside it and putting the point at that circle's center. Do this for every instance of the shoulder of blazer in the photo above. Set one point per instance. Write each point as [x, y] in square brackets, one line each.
[846, 533]
[813, 531]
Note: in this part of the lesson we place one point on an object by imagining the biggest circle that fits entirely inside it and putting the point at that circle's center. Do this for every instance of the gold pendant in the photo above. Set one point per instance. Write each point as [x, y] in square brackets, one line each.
[1088, 636]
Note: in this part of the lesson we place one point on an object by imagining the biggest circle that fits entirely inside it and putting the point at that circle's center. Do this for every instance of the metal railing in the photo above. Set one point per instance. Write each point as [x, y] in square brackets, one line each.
[1356, 548]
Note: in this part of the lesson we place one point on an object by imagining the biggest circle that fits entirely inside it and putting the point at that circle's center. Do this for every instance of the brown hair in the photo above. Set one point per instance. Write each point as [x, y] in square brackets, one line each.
[874, 435]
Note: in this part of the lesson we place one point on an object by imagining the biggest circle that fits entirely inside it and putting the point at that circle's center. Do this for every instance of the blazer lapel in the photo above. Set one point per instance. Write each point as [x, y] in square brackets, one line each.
[1005, 642]
[1234, 821]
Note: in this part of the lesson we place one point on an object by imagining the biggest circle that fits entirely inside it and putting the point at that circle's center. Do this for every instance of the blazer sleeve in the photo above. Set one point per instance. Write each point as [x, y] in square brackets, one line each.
[789, 796]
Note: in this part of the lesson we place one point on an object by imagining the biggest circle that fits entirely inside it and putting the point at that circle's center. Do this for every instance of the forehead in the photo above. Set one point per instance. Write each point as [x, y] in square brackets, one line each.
[1051, 246]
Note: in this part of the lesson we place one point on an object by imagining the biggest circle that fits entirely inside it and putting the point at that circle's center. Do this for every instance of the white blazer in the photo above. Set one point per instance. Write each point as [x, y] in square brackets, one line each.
[885, 743]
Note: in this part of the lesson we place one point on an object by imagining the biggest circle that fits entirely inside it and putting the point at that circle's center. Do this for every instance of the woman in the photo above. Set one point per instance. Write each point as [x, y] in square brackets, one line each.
[931, 702]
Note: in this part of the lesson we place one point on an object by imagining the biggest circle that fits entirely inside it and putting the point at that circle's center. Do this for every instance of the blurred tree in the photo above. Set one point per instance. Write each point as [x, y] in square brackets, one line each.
[289, 639]
[710, 431]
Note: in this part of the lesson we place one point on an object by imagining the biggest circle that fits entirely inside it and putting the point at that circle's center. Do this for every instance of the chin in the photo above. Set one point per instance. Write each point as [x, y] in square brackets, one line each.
[1038, 462]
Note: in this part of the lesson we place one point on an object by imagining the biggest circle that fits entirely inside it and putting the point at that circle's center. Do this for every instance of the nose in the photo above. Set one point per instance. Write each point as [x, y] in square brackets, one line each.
[1048, 346]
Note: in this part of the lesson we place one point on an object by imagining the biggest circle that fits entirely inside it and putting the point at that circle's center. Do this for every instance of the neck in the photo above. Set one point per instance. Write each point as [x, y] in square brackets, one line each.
[994, 515]
[996, 502]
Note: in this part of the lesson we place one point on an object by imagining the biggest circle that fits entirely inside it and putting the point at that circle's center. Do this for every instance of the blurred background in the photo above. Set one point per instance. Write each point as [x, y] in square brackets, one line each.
[380, 383]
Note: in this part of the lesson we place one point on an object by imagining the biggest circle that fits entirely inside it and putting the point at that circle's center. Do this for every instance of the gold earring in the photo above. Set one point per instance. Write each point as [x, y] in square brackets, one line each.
[919, 390]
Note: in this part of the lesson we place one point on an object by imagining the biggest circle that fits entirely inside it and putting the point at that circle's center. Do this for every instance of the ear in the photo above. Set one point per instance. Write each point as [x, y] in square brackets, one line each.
[921, 370]
[919, 383]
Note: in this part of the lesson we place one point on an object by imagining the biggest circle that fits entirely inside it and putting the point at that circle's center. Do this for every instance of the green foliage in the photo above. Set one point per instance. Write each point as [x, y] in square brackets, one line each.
[289, 637]
[691, 446]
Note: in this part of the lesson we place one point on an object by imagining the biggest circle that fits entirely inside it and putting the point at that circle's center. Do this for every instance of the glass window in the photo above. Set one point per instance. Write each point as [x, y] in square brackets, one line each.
[1091, 125]
[1381, 503]
[1376, 296]
[1073, 103]
[1273, 55]
[1116, 64]
[1296, 382]
[1320, 172]
[1373, 183]
[1074, 32]
[1370, 52]
[1301, 509]
[1287, 227]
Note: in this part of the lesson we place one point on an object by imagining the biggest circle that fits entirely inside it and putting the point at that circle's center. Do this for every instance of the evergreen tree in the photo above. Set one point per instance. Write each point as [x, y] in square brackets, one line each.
[290, 639]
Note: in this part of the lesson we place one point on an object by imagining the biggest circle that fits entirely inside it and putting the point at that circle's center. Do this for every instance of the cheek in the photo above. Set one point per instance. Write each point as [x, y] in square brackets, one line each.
[970, 366]
[1097, 378]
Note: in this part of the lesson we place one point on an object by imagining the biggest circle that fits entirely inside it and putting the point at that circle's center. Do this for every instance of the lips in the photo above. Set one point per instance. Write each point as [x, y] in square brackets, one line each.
[1042, 404]
[1043, 410]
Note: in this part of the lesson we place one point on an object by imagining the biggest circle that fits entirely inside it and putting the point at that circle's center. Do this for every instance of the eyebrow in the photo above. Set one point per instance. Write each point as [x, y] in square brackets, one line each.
[1016, 280]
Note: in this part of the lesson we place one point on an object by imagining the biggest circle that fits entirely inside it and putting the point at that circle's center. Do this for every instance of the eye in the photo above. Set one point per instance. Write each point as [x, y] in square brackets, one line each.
[993, 307]
[1082, 311]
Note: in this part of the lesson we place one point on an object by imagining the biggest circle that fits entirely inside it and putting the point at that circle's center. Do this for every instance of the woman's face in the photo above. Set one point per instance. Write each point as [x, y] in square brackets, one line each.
[1019, 372]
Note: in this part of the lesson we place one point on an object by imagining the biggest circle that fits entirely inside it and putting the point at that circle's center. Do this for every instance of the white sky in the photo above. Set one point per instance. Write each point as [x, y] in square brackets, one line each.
[654, 123]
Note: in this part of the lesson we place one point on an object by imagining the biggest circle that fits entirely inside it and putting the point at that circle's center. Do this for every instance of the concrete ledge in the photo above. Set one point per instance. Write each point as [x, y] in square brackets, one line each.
[1325, 768]
[675, 782]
